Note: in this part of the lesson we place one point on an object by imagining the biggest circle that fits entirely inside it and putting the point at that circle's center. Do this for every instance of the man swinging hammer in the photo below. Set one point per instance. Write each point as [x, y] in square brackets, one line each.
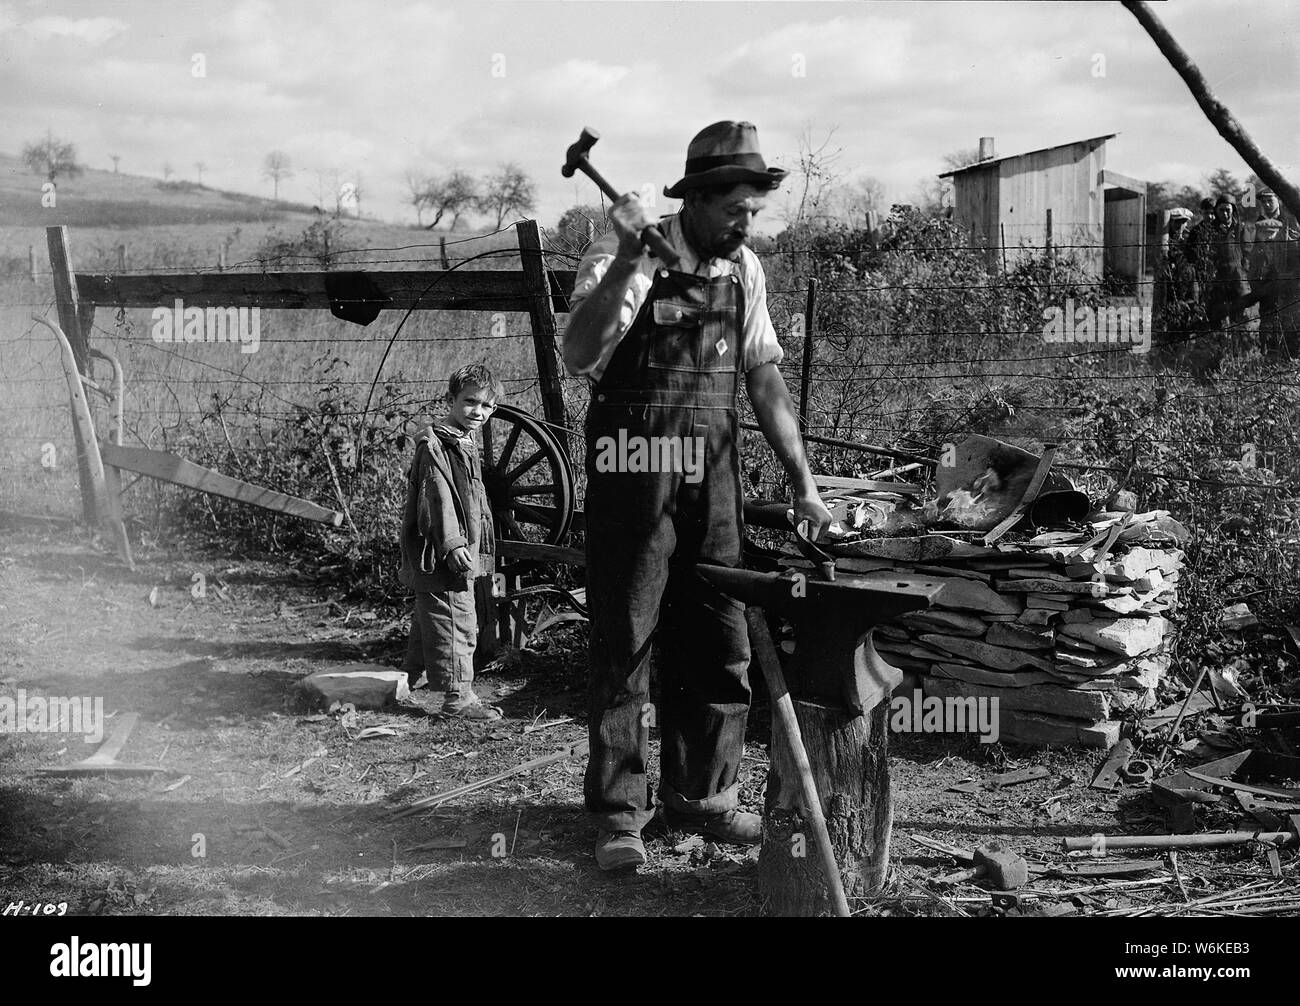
[666, 351]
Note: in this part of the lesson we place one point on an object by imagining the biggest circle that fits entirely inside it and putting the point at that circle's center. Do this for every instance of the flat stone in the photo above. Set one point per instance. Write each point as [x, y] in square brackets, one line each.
[970, 595]
[366, 686]
[1000, 657]
[1076, 615]
[993, 679]
[1042, 698]
[1037, 616]
[1042, 585]
[952, 622]
[1022, 637]
[1129, 636]
[1023, 727]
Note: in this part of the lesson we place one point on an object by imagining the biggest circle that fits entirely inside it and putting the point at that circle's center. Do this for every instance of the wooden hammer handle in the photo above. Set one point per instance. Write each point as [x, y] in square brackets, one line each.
[783, 712]
[651, 236]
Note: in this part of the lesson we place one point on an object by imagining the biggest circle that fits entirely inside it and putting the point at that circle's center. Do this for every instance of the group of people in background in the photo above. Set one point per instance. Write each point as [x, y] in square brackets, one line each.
[1225, 273]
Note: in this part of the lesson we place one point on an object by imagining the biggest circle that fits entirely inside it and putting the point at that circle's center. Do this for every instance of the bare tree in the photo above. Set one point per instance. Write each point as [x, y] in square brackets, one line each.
[853, 201]
[933, 195]
[52, 158]
[418, 187]
[816, 176]
[277, 168]
[963, 158]
[455, 193]
[201, 167]
[510, 190]
[167, 171]
[114, 158]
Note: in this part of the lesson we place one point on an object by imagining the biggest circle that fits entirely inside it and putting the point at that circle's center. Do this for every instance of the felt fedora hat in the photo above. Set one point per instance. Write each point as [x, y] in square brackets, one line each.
[725, 152]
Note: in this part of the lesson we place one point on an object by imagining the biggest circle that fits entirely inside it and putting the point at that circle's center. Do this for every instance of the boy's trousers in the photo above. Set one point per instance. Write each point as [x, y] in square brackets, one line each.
[444, 632]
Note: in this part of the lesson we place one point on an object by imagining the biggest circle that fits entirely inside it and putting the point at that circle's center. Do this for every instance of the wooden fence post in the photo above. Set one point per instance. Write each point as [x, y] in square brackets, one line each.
[542, 313]
[121, 258]
[442, 251]
[31, 261]
[75, 318]
[1047, 247]
[809, 321]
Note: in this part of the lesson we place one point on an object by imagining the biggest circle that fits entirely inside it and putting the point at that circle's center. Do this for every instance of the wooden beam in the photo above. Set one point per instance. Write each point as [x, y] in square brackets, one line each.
[543, 553]
[1107, 177]
[541, 311]
[170, 468]
[75, 324]
[425, 290]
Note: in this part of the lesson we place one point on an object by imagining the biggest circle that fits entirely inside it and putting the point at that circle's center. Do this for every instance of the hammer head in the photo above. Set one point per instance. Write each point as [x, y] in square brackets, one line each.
[1006, 869]
[577, 152]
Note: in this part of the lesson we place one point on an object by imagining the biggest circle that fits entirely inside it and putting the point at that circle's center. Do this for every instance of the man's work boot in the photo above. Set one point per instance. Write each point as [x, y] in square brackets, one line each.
[619, 850]
[734, 826]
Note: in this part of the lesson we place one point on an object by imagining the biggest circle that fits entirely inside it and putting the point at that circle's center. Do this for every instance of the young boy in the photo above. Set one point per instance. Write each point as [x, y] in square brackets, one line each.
[447, 543]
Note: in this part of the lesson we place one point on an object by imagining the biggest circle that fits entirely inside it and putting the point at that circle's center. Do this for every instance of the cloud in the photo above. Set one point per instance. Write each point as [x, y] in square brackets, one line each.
[89, 30]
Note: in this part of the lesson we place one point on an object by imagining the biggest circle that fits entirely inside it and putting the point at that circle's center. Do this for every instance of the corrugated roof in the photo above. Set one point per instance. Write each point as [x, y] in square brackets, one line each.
[1008, 157]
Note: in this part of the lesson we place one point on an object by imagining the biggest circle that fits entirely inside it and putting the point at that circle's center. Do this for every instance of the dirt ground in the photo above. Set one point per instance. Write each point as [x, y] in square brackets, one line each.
[267, 808]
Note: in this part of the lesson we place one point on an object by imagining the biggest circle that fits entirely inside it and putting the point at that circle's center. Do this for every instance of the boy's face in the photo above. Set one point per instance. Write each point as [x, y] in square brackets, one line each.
[471, 408]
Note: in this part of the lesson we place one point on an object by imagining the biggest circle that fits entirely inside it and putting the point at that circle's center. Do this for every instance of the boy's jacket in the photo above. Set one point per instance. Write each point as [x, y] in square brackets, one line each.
[436, 520]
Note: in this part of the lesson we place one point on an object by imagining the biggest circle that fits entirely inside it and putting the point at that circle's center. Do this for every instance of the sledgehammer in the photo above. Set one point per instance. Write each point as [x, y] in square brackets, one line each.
[575, 159]
[1003, 868]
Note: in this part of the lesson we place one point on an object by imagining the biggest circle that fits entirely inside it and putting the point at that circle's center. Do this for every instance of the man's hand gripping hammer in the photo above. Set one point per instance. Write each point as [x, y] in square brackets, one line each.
[575, 159]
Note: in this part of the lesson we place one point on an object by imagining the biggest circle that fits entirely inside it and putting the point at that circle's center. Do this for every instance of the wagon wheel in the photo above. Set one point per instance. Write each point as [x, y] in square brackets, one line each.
[528, 477]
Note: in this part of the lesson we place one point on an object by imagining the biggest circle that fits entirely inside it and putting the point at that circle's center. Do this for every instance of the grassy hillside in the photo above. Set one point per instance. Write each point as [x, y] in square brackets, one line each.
[181, 225]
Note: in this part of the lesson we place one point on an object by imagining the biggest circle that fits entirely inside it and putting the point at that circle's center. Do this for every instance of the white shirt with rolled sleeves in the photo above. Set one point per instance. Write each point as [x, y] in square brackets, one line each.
[759, 344]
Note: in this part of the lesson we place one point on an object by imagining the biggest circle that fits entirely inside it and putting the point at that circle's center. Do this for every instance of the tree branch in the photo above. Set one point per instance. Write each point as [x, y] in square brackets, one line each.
[1216, 111]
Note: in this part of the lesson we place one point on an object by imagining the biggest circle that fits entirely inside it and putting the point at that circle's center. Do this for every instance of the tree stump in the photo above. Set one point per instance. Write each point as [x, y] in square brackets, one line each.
[850, 762]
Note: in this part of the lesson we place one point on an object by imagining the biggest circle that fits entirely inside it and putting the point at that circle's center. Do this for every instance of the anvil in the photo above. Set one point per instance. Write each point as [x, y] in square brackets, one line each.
[835, 661]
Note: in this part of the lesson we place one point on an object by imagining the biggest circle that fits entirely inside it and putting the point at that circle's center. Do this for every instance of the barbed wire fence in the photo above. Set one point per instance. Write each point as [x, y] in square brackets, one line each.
[909, 346]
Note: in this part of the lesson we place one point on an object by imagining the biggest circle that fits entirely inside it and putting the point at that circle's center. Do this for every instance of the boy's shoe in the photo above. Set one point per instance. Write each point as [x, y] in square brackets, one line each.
[620, 850]
[734, 826]
[469, 706]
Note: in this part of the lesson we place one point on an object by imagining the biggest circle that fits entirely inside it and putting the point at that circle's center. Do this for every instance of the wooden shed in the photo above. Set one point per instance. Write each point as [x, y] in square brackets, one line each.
[1065, 192]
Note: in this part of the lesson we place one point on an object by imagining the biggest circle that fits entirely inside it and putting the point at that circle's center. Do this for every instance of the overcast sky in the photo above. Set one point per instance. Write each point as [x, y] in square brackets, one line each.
[345, 86]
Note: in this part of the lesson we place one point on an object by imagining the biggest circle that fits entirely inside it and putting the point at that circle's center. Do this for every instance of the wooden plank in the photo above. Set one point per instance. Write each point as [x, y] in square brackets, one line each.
[423, 290]
[541, 311]
[841, 482]
[1108, 177]
[170, 468]
[543, 553]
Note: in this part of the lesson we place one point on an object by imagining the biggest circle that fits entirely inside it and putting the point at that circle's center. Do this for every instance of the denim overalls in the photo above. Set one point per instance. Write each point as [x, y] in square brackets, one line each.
[675, 374]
